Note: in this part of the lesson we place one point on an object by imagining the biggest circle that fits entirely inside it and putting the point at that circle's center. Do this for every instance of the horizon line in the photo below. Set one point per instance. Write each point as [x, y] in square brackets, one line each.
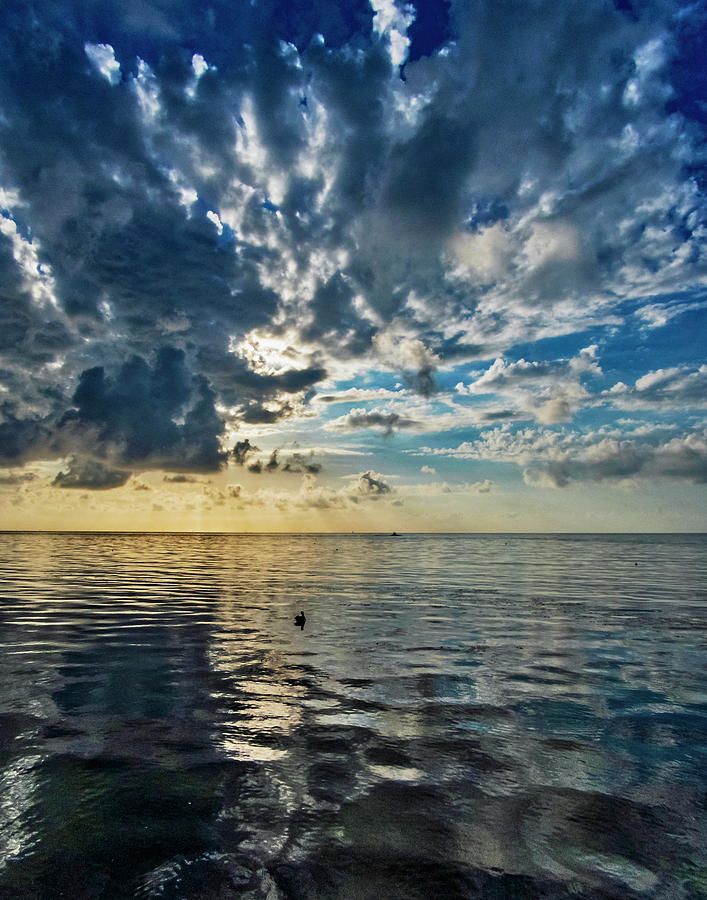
[335, 533]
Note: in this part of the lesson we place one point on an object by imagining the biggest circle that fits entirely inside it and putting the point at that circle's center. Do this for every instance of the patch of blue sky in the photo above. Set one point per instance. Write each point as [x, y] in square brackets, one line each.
[486, 211]
[637, 346]
[377, 378]
[432, 28]
[636, 349]
[604, 417]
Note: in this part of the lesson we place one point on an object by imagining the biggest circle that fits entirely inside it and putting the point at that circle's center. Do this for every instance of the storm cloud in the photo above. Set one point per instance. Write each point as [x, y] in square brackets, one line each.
[212, 219]
[361, 418]
[91, 474]
[155, 415]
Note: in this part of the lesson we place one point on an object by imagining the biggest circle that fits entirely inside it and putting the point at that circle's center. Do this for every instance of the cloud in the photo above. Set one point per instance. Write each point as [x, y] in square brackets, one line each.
[657, 315]
[91, 474]
[371, 484]
[416, 361]
[313, 495]
[366, 487]
[438, 488]
[360, 395]
[103, 58]
[177, 185]
[153, 415]
[673, 388]
[13, 478]
[680, 458]
[424, 191]
[555, 410]
[502, 374]
[361, 418]
[21, 439]
[548, 391]
[483, 487]
[558, 458]
[242, 450]
[259, 466]
[273, 462]
[298, 462]
[257, 414]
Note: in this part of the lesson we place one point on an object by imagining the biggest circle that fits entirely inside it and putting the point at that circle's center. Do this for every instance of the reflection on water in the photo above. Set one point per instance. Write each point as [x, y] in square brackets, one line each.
[462, 716]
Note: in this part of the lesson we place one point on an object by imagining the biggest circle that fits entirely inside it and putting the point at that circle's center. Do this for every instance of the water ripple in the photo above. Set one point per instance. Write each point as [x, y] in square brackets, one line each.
[462, 716]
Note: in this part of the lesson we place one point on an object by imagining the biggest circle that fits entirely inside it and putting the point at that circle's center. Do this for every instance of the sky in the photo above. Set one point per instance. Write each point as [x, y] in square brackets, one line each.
[353, 265]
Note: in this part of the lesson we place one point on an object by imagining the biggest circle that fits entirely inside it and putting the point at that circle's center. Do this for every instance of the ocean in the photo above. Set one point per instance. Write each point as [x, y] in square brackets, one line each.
[461, 716]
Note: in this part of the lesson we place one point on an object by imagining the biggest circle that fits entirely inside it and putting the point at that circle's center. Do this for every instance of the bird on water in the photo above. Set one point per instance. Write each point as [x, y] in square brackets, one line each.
[300, 619]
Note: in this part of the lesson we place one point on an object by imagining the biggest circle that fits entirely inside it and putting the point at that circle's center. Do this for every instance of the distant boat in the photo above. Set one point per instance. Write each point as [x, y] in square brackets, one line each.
[395, 534]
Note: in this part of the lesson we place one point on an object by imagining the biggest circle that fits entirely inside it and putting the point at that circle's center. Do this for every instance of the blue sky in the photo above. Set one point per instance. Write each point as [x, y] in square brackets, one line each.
[425, 266]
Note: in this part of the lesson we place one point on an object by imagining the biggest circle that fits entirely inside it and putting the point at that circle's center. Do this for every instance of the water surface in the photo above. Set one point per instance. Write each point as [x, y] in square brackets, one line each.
[462, 716]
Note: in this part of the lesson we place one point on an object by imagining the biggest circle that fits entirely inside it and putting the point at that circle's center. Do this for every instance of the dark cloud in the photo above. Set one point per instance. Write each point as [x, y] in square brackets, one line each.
[359, 418]
[297, 462]
[242, 450]
[91, 474]
[682, 458]
[501, 415]
[371, 484]
[424, 190]
[17, 478]
[422, 381]
[155, 415]
[126, 255]
[257, 414]
[20, 439]
[273, 462]
[235, 381]
[17, 317]
[333, 315]
[611, 460]
[617, 461]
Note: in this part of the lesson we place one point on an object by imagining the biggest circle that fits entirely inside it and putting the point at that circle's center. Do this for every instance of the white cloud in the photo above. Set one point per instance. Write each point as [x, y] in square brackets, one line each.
[439, 488]
[656, 315]
[392, 21]
[102, 56]
[548, 391]
[557, 458]
[673, 388]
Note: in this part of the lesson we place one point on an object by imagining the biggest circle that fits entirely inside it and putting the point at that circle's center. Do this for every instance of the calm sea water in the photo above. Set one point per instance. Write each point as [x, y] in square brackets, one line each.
[461, 716]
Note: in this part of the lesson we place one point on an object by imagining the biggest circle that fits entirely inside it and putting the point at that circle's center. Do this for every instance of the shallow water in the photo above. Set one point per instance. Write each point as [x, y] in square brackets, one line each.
[462, 716]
